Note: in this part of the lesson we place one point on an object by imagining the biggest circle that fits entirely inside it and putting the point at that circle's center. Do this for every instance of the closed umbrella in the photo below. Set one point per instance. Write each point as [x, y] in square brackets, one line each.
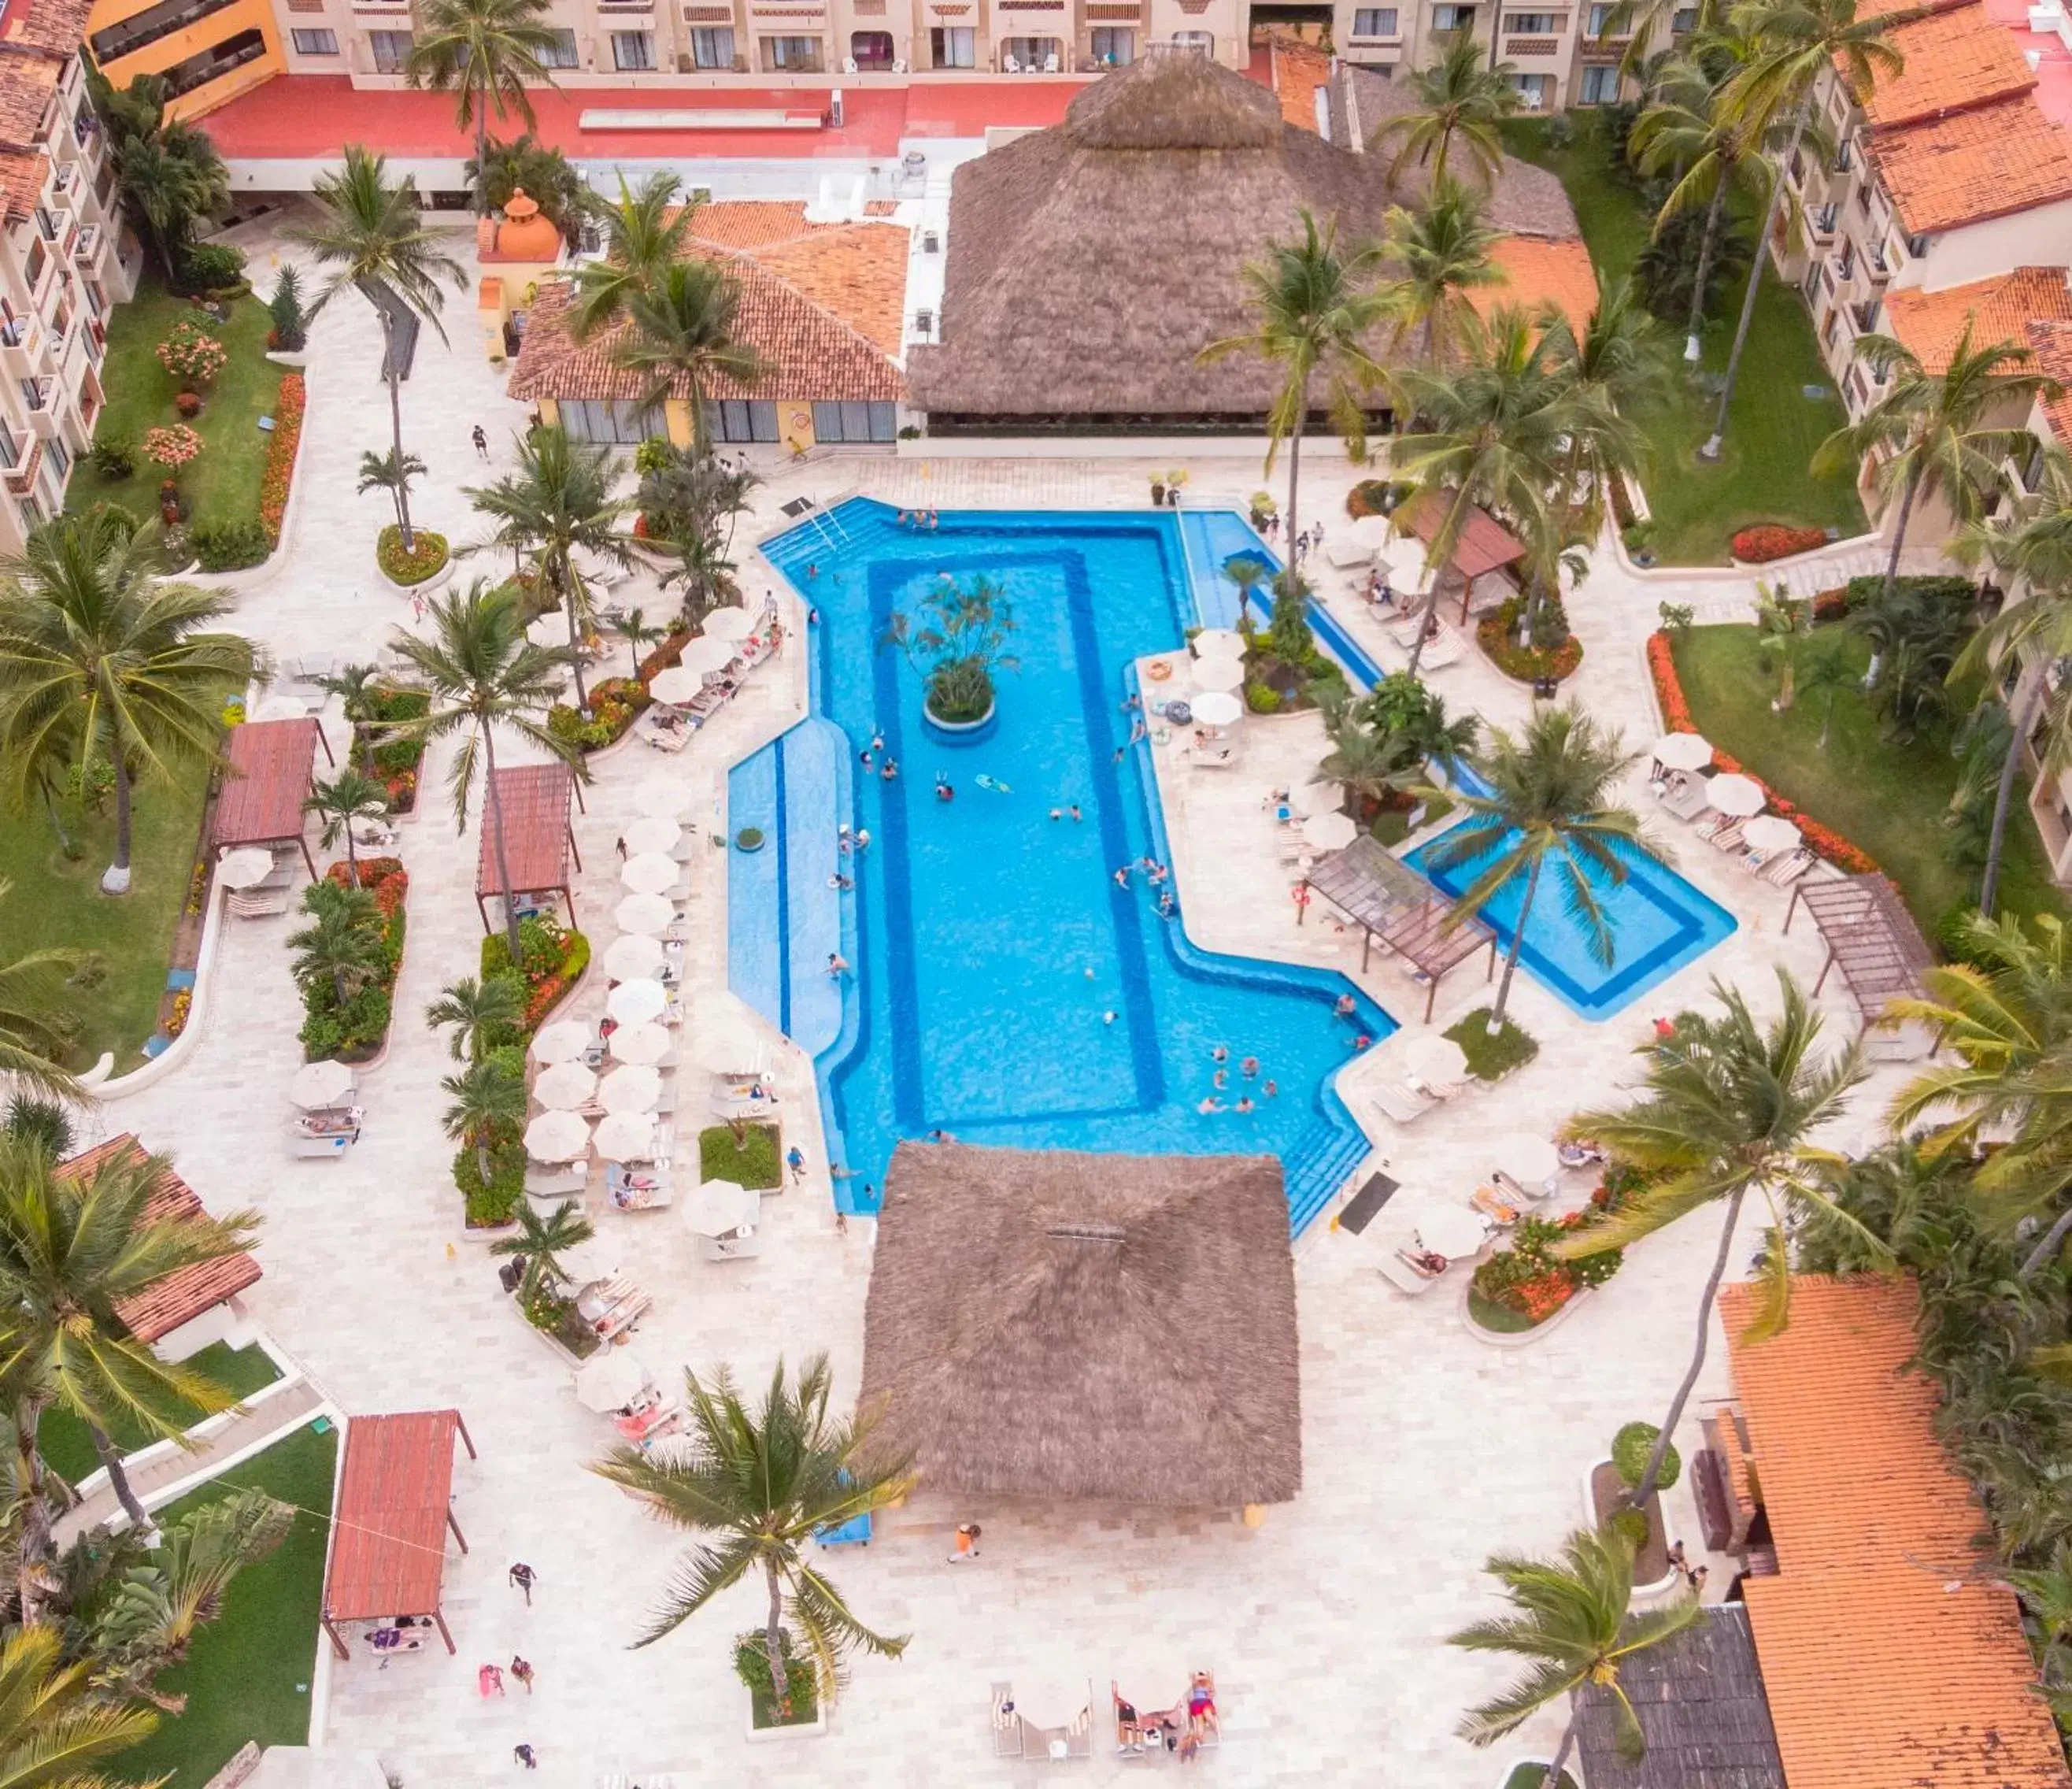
[1683, 751]
[1370, 533]
[666, 796]
[641, 1042]
[1220, 643]
[565, 1086]
[634, 1002]
[246, 867]
[1406, 561]
[1218, 708]
[650, 873]
[1435, 1060]
[1735, 796]
[633, 957]
[625, 1136]
[588, 1261]
[611, 1379]
[651, 833]
[731, 623]
[1317, 798]
[632, 1089]
[706, 655]
[720, 1207]
[1219, 674]
[1770, 832]
[650, 913]
[556, 1136]
[563, 1041]
[726, 1047]
[321, 1084]
[678, 683]
[1330, 831]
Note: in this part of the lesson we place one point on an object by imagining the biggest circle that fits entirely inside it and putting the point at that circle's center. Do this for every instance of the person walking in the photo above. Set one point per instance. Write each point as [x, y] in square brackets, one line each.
[524, 1577]
[481, 443]
[967, 1544]
[794, 1159]
[522, 1670]
[526, 1756]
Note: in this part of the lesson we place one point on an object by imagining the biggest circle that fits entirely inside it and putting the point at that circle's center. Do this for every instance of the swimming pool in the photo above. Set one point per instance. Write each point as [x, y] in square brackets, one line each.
[1004, 989]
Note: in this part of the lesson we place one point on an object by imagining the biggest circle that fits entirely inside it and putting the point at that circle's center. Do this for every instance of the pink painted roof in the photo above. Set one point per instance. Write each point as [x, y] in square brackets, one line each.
[2053, 72]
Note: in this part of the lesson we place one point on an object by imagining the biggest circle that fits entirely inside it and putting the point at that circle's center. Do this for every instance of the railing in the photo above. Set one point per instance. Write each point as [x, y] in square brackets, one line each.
[195, 73]
[89, 245]
[147, 28]
[1825, 219]
[1866, 316]
[1531, 46]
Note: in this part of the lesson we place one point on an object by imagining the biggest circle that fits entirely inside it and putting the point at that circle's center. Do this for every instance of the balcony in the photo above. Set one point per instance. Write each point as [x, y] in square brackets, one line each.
[1824, 220]
[149, 26]
[211, 64]
[1881, 262]
[21, 339]
[1864, 316]
[89, 245]
[22, 475]
[40, 394]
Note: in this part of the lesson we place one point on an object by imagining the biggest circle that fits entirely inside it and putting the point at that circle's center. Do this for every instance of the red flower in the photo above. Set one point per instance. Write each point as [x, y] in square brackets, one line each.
[279, 472]
[1754, 546]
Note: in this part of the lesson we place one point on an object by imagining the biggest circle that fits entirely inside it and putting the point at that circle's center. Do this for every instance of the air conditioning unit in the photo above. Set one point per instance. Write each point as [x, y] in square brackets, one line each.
[924, 322]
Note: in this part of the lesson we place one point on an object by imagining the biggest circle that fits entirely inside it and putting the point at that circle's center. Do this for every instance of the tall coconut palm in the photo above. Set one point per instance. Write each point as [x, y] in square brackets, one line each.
[646, 233]
[1574, 1626]
[1796, 41]
[346, 797]
[341, 943]
[1313, 308]
[479, 1012]
[76, 1246]
[486, 51]
[539, 1242]
[681, 338]
[1460, 103]
[55, 1728]
[1608, 374]
[1443, 249]
[168, 172]
[1550, 805]
[36, 1026]
[374, 238]
[761, 1482]
[392, 474]
[559, 503]
[99, 661]
[481, 674]
[488, 1105]
[1730, 1109]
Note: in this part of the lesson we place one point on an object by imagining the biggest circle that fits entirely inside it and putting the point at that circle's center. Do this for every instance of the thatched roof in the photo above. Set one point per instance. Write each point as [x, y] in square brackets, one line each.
[1047, 1323]
[1699, 1698]
[1089, 264]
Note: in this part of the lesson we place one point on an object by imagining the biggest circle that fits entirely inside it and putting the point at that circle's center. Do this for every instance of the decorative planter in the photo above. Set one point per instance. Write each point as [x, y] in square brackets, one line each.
[959, 733]
[796, 1729]
[1518, 1338]
[443, 575]
[1602, 1488]
[751, 838]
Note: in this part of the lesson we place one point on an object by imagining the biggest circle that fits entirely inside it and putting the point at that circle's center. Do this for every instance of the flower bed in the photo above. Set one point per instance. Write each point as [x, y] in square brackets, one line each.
[491, 1207]
[277, 476]
[615, 703]
[553, 960]
[425, 557]
[1758, 546]
[355, 1031]
[1823, 841]
[1529, 1279]
[1496, 634]
[396, 756]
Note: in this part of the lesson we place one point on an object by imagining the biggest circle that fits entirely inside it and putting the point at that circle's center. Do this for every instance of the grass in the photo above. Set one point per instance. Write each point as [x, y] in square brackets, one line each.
[1534, 1776]
[247, 1675]
[63, 1442]
[1772, 428]
[1500, 1319]
[1490, 1059]
[1887, 799]
[222, 484]
[753, 1163]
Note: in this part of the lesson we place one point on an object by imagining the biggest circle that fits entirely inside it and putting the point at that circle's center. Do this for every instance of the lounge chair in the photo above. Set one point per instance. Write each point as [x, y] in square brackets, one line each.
[257, 904]
[1788, 869]
[1501, 1209]
[1682, 795]
[1396, 1269]
[1442, 649]
[1728, 838]
[1398, 1101]
[1006, 1723]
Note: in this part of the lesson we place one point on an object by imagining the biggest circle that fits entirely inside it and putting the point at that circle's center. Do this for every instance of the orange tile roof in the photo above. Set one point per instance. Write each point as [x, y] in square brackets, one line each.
[2052, 342]
[1537, 270]
[1955, 60]
[1999, 310]
[856, 273]
[1299, 70]
[26, 84]
[749, 222]
[1889, 1663]
[1973, 165]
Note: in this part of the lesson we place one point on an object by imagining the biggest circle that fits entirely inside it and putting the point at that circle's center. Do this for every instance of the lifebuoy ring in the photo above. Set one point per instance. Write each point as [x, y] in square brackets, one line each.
[1160, 671]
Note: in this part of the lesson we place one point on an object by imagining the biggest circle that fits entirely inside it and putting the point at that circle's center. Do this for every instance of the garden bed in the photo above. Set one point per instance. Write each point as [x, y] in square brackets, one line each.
[357, 1030]
[383, 740]
[427, 557]
[1490, 1059]
[755, 1161]
[1496, 634]
[554, 959]
[616, 704]
[751, 1664]
[1650, 1559]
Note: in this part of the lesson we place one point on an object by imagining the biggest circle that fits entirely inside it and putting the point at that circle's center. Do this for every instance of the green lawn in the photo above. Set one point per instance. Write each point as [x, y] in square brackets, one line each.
[63, 1440]
[1889, 799]
[1762, 474]
[247, 1674]
[222, 484]
[752, 1163]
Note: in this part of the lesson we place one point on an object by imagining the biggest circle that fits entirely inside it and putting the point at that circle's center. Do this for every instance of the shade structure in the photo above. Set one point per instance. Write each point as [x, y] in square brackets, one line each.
[1330, 831]
[635, 1002]
[1219, 674]
[1449, 1230]
[727, 1046]
[1683, 751]
[678, 683]
[1736, 795]
[648, 914]
[651, 833]
[731, 622]
[538, 846]
[395, 1505]
[625, 1136]
[665, 796]
[1530, 1160]
[321, 1084]
[267, 768]
[642, 1042]
[1431, 1057]
[1220, 643]
[1218, 708]
[562, 1041]
[650, 873]
[634, 957]
[556, 1136]
[706, 655]
[246, 867]
[1769, 832]
[565, 1086]
[610, 1380]
[720, 1207]
[1317, 798]
[635, 1088]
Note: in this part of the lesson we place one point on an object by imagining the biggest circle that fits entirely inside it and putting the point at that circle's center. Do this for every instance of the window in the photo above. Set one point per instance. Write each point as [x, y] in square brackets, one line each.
[1600, 84]
[1917, 246]
[799, 54]
[1031, 52]
[315, 44]
[1600, 17]
[1112, 46]
[1684, 20]
[713, 48]
[737, 420]
[1534, 91]
[38, 260]
[855, 421]
[561, 53]
[11, 449]
[951, 46]
[59, 455]
[1531, 24]
[870, 49]
[1374, 22]
[1453, 18]
[633, 49]
[391, 49]
[619, 423]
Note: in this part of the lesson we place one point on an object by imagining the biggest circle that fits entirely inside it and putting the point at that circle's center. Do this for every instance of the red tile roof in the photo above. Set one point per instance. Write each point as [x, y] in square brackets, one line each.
[1973, 165]
[388, 1532]
[1485, 545]
[534, 799]
[266, 777]
[1955, 60]
[52, 28]
[1890, 1659]
[1299, 70]
[2052, 343]
[1538, 270]
[1998, 310]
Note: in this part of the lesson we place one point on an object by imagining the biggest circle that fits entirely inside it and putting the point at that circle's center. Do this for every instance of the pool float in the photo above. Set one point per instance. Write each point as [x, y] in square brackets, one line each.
[991, 782]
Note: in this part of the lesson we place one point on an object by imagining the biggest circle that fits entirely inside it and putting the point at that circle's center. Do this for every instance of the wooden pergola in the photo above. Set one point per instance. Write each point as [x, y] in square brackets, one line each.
[1388, 900]
[1486, 545]
[539, 837]
[1870, 936]
[395, 1505]
[268, 770]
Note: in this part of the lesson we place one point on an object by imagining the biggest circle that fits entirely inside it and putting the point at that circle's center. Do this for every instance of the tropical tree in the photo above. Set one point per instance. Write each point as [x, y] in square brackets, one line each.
[646, 233]
[482, 673]
[488, 1105]
[1382, 742]
[1549, 805]
[346, 797]
[486, 51]
[55, 1727]
[1313, 308]
[1781, 622]
[101, 663]
[1730, 1107]
[392, 474]
[37, 1027]
[763, 1481]
[681, 336]
[1443, 249]
[557, 503]
[168, 171]
[1573, 1624]
[358, 687]
[1459, 102]
[1824, 671]
[1608, 374]
[633, 627]
[343, 942]
[479, 1012]
[539, 1242]
[544, 174]
[374, 238]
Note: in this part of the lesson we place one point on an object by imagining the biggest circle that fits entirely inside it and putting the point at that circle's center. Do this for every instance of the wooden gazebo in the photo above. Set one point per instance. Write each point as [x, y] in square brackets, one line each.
[1388, 900]
[268, 770]
[1870, 936]
[539, 837]
[388, 1535]
[1486, 545]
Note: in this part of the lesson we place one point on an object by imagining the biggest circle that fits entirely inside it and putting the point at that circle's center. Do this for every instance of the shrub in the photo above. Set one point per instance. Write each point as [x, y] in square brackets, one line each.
[278, 473]
[211, 267]
[173, 446]
[426, 557]
[231, 546]
[614, 703]
[498, 1202]
[355, 1031]
[751, 1665]
[1631, 1525]
[1529, 1278]
[1935, 592]
[291, 332]
[552, 959]
[653, 454]
[1375, 497]
[189, 404]
[1630, 1447]
[190, 356]
[1676, 617]
[1262, 698]
[115, 458]
[1496, 634]
[1767, 541]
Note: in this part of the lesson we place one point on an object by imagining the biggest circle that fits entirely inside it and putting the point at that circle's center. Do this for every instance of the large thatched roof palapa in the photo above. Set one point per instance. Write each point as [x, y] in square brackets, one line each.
[1050, 1324]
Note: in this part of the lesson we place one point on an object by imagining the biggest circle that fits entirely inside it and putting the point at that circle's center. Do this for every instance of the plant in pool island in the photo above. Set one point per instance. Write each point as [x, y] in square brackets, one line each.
[191, 357]
[957, 643]
[1384, 743]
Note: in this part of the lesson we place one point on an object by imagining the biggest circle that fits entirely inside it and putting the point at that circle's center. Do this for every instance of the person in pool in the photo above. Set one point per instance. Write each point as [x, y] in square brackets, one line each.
[945, 790]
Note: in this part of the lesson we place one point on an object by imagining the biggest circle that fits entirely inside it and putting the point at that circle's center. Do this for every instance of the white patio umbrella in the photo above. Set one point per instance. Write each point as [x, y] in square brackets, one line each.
[666, 796]
[591, 1259]
[246, 867]
[1530, 1160]
[1220, 643]
[1368, 533]
[1219, 674]
[564, 1086]
[635, 1002]
[732, 623]
[611, 1379]
[633, 1089]
[634, 957]
[1770, 832]
[625, 1136]
[1683, 751]
[719, 1207]
[1406, 561]
[650, 914]
[707, 654]
[1448, 1230]
[726, 1047]
[644, 1042]
[1330, 831]
[677, 684]
[562, 1042]
[651, 833]
[1217, 708]
[649, 873]
[1317, 798]
[1435, 1060]
[1737, 796]
[281, 707]
[556, 1136]
[321, 1084]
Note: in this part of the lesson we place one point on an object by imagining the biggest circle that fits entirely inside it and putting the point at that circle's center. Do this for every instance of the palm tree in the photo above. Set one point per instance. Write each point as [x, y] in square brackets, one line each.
[1246, 572]
[1781, 621]
[36, 1028]
[54, 1726]
[646, 233]
[1796, 41]
[1730, 1106]
[341, 943]
[1575, 1628]
[486, 51]
[1825, 671]
[633, 627]
[557, 503]
[357, 687]
[488, 1105]
[1313, 309]
[1549, 804]
[375, 239]
[682, 337]
[98, 659]
[386, 472]
[545, 174]
[1443, 250]
[1458, 97]
[478, 1011]
[763, 1483]
[539, 1243]
[482, 673]
[76, 1246]
[348, 796]
[170, 173]
[1608, 374]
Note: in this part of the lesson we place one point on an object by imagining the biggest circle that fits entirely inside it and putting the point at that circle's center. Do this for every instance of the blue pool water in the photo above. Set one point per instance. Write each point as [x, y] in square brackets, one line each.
[990, 943]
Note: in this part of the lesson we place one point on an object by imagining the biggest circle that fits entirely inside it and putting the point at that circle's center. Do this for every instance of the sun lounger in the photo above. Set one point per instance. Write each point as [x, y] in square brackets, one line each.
[257, 904]
[618, 1304]
[1503, 1210]
[1396, 1269]
[1442, 649]
[1398, 1100]
[1788, 869]
[1006, 1723]
[662, 738]
[1728, 838]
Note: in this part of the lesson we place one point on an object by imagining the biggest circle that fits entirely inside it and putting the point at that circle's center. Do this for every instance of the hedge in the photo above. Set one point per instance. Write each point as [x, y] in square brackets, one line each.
[1757, 545]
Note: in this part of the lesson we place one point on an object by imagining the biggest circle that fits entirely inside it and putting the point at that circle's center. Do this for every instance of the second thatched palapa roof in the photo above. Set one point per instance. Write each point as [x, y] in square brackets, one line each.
[1044, 1323]
[1089, 265]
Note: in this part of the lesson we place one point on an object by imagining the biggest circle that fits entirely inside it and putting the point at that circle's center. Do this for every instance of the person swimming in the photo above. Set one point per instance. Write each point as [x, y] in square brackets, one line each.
[992, 783]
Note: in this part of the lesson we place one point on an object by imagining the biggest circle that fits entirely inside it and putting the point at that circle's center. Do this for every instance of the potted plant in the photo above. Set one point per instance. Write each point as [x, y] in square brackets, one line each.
[1639, 538]
[1174, 480]
[1263, 510]
[1607, 1491]
[957, 643]
[1157, 491]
